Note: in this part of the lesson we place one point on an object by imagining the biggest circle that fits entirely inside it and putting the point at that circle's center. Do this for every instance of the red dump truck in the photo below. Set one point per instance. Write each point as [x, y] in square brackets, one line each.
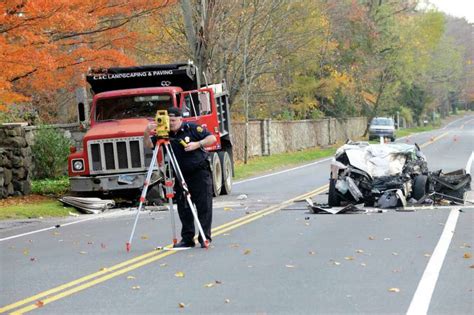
[113, 159]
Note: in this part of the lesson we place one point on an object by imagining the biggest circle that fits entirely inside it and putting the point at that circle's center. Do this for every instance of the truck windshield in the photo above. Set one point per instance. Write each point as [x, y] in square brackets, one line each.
[131, 106]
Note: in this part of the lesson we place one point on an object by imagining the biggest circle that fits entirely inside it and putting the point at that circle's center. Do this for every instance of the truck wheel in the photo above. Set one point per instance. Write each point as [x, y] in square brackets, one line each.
[226, 164]
[333, 198]
[420, 187]
[216, 174]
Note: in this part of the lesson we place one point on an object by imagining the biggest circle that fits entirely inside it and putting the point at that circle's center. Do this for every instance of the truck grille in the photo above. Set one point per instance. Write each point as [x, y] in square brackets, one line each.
[118, 155]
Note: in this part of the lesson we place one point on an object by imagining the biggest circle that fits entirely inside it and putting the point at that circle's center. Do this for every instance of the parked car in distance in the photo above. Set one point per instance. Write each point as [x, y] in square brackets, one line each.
[382, 127]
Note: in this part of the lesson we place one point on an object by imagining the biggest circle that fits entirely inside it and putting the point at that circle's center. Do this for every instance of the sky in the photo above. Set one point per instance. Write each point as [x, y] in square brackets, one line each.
[457, 8]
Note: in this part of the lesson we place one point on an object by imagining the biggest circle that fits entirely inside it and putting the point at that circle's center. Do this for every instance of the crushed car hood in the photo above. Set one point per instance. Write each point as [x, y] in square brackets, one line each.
[378, 160]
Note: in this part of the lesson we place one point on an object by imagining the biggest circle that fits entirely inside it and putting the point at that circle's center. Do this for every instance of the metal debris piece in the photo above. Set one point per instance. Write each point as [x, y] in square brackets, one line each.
[325, 209]
[88, 205]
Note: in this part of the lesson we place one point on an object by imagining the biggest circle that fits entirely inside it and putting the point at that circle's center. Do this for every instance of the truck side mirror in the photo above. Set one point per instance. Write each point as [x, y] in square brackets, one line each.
[81, 111]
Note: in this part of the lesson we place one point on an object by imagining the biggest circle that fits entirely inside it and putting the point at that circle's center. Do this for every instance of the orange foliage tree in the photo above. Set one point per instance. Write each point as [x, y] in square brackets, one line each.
[46, 44]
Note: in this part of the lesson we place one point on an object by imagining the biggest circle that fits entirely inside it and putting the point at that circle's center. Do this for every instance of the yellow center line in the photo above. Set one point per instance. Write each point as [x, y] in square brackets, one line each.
[434, 140]
[139, 261]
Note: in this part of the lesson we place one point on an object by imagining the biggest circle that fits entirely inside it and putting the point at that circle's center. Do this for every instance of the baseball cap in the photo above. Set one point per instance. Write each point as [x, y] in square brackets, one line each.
[174, 112]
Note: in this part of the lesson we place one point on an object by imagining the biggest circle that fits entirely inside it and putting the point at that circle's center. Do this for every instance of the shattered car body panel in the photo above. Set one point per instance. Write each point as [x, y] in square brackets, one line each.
[388, 176]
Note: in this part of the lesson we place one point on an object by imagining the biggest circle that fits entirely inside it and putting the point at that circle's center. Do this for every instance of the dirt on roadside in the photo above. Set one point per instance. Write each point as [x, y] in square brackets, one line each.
[24, 200]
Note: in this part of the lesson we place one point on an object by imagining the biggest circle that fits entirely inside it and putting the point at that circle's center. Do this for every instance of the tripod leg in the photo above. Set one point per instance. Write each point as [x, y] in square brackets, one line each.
[170, 195]
[177, 170]
[128, 245]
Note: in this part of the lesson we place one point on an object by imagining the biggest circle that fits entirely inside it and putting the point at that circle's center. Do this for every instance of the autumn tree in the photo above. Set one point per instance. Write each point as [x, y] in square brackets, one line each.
[46, 45]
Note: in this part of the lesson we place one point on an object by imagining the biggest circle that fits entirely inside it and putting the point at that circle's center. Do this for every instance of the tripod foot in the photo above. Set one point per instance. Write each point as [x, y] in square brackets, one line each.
[206, 244]
[128, 246]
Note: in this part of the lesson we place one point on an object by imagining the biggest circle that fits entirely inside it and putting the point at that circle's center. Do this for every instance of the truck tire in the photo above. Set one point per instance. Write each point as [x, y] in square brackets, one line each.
[420, 186]
[216, 174]
[226, 164]
[333, 198]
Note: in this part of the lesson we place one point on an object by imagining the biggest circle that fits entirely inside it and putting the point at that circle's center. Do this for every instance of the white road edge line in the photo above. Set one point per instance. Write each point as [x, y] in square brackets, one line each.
[284, 171]
[49, 228]
[422, 298]
[469, 163]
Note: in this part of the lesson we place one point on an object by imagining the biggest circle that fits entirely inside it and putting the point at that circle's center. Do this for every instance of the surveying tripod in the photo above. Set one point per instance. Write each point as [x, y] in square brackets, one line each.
[171, 168]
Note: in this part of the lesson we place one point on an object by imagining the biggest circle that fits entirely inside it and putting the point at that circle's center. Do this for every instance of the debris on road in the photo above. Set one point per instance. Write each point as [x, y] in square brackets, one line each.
[88, 205]
[389, 176]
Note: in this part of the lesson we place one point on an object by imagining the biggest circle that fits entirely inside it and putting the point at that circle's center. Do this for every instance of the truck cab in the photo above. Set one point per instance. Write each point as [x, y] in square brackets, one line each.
[113, 158]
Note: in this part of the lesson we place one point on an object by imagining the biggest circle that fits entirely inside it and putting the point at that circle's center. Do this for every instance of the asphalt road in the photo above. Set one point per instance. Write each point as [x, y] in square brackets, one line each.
[269, 254]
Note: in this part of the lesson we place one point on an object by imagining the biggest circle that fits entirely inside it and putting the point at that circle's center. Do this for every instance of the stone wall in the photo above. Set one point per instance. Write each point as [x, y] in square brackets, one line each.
[268, 137]
[15, 161]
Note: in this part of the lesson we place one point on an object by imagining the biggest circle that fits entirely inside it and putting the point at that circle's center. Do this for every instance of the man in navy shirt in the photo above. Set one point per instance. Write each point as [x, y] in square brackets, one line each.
[188, 141]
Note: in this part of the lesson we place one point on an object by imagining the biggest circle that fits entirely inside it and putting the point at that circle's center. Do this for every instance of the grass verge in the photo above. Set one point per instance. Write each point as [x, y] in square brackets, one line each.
[39, 209]
[409, 131]
[41, 204]
[264, 164]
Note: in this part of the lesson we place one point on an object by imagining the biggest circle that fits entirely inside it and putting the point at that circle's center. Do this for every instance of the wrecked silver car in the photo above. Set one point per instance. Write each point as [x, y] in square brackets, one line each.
[389, 176]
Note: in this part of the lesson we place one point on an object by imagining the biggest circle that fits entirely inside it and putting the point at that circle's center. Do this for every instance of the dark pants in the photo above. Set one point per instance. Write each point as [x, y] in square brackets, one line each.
[200, 187]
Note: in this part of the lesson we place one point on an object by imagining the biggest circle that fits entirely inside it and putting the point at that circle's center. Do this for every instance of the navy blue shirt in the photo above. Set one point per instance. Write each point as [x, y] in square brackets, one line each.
[189, 161]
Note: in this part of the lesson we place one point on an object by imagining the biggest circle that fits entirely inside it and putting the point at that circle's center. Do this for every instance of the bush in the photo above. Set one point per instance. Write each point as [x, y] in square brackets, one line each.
[51, 187]
[50, 152]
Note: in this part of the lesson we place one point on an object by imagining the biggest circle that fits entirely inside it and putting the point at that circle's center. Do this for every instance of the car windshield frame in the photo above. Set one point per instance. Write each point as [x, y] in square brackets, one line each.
[382, 121]
[131, 106]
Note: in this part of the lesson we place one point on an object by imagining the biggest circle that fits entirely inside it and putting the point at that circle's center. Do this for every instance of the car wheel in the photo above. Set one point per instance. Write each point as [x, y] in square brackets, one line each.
[420, 187]
[333, 198]
[216, 174]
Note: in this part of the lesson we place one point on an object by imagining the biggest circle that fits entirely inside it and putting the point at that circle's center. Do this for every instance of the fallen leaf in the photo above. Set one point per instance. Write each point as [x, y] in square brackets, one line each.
[312, 252]
[465, 245]
[467, 255]
[396, 290]
[371, 238]
[359, 251]
[209, 285]
[290, 266]
[39, 303]
[349, 258]
[103, 269]
[136, 287]
[227, 301]
[26, 252]
[82, 252]
[247, 251]
[471, 266]
[130, 277]
[227, 209]
[179, 274]
[163, 265]
[144, 237]
[182, 305]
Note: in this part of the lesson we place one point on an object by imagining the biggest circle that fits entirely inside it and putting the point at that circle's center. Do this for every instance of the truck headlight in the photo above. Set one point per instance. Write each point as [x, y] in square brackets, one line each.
[77, 165]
